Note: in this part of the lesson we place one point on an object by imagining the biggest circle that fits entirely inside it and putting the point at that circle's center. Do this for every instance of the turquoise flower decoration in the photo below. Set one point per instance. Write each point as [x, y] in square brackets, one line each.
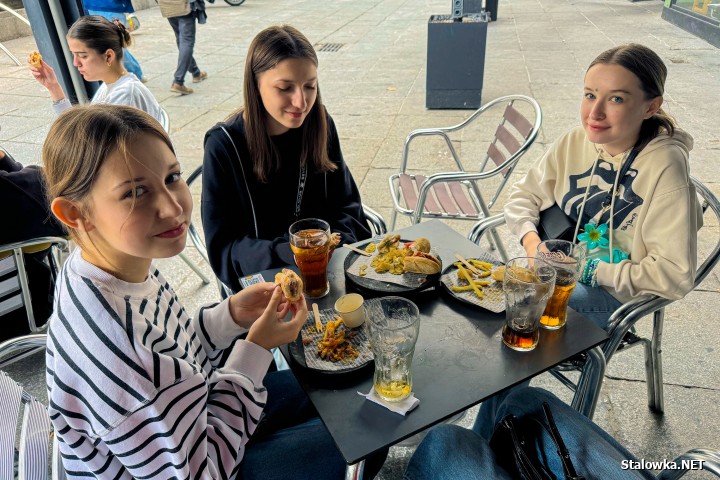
[618, 256]
[594, 235]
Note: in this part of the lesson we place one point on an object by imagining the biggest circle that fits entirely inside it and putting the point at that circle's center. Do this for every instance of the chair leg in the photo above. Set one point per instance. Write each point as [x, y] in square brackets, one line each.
[500, 245]
[590, 383]
[393, 220]
[194, 268]
[653, 364]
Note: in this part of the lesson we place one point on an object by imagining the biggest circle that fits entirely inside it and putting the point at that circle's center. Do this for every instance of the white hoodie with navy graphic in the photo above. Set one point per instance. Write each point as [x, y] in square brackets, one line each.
[655, 216]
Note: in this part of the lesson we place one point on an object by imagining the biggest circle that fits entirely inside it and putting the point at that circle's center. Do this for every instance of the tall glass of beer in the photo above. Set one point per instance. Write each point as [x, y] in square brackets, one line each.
[528, 285]
[392, 325]
[310, 244]
[568, 259]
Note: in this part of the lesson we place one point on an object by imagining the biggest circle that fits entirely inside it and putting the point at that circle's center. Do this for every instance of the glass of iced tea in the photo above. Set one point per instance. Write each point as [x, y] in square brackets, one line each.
[392, 325]
[528, 285]
[310, 243]
[568, 259]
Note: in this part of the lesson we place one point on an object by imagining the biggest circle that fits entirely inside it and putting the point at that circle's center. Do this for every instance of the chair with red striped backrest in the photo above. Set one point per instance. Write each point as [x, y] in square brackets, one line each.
[457, 194]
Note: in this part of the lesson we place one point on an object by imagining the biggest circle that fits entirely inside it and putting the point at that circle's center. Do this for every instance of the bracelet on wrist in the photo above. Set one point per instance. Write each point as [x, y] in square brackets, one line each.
[588, 276]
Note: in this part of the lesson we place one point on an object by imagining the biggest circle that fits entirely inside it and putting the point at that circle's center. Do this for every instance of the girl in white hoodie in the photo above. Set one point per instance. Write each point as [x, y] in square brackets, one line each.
[651, 222]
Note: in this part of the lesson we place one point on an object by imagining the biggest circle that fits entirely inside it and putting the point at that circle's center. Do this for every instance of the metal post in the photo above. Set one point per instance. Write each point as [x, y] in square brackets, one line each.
[62, 29]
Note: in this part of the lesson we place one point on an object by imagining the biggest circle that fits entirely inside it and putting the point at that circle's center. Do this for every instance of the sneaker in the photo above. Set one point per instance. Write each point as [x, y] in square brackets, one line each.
[200, 78]
[181, 89]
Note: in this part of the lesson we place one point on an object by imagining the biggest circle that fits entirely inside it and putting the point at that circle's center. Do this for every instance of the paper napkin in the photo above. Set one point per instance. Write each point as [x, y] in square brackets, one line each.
[402, 407]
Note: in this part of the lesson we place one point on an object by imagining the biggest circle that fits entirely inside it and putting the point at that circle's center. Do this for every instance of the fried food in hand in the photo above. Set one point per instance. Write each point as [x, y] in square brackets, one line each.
[35, 59]
[291, 285]
[334, 240]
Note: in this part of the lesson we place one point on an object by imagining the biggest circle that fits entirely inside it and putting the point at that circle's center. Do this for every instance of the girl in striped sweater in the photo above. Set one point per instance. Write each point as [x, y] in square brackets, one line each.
[136, 387]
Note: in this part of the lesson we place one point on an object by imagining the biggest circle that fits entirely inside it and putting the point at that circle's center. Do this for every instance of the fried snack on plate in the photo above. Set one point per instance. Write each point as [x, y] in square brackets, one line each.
[498, 274]
[35, 59]
[334, 346]
[391, 261]
[390, 241]
[420, 245]
[291, 284]
[421, 262]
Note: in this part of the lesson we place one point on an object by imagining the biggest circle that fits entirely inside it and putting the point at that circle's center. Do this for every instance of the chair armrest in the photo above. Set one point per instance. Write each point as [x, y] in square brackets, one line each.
[8, 347]
[626, 316]
[479, 229]
[376, 220]
[425, 132]
[34, 242]
[708, 460]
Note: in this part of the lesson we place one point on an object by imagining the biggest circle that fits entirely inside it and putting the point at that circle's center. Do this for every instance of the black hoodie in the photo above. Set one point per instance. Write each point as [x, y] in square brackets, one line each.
[246, 222]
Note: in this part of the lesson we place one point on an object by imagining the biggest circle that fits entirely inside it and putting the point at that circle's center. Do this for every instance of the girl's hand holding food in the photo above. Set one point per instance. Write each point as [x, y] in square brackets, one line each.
[270, 329]
[248, 304]
[45, 75]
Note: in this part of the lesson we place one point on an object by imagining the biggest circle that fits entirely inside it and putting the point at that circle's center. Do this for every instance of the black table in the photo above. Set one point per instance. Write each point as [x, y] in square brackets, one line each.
[459, 359]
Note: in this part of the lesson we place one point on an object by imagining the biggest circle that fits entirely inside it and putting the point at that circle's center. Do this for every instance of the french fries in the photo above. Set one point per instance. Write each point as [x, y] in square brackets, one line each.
[334, 346]
[469, 281]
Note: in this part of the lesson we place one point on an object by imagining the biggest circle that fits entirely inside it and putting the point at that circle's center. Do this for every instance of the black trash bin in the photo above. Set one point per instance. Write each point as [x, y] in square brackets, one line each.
[455, 60]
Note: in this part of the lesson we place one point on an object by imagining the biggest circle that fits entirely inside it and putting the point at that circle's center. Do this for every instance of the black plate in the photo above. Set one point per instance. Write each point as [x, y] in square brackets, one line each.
[377, 286]
[297, 351]
[493, 303]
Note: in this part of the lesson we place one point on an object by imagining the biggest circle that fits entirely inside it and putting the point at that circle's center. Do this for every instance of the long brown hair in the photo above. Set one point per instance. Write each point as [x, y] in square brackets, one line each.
[80, 141]
[647, 66]
[101, 35]
[268, 48]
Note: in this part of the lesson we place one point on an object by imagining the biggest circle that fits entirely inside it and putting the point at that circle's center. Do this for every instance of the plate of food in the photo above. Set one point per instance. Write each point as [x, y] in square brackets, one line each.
[394, 265]
[479, 283]
[329, 346]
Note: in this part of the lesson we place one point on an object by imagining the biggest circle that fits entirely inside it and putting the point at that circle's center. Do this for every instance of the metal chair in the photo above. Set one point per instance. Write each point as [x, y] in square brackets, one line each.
[375, 220]
[35, 431]
[165, 122]
[621, 324]
[22, 19]
[15, 291]
[457, 195]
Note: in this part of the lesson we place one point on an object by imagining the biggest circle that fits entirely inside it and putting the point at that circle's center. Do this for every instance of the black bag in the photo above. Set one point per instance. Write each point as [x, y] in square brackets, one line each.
[554, 224]
[513, 443]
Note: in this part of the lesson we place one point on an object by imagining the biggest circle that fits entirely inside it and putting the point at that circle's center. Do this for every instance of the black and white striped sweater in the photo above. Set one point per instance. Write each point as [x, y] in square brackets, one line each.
[133, 385]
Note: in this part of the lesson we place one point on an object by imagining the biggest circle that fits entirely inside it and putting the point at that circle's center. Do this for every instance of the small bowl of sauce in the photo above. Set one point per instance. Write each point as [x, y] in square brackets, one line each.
[350, 308]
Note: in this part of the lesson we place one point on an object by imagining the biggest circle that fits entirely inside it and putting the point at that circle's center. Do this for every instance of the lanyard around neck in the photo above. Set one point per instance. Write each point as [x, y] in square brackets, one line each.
[615, 189]
[302, 178]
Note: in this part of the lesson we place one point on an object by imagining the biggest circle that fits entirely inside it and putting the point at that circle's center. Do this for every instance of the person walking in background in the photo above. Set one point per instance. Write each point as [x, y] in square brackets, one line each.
[117, 9]
[97, 48]
[182, 17]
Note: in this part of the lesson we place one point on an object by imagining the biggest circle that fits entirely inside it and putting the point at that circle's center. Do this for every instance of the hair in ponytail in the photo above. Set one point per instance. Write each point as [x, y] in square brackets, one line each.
[101, 35]
[647, 66]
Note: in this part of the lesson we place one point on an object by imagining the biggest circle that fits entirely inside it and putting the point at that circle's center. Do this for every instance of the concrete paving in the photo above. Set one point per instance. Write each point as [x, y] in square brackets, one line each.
[374, 87]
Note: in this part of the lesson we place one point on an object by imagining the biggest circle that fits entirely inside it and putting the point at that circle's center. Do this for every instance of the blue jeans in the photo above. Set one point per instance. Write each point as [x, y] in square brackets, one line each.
[594, 302]
[184, 28]
[129, 61]
[291, 441]
[451, 452]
